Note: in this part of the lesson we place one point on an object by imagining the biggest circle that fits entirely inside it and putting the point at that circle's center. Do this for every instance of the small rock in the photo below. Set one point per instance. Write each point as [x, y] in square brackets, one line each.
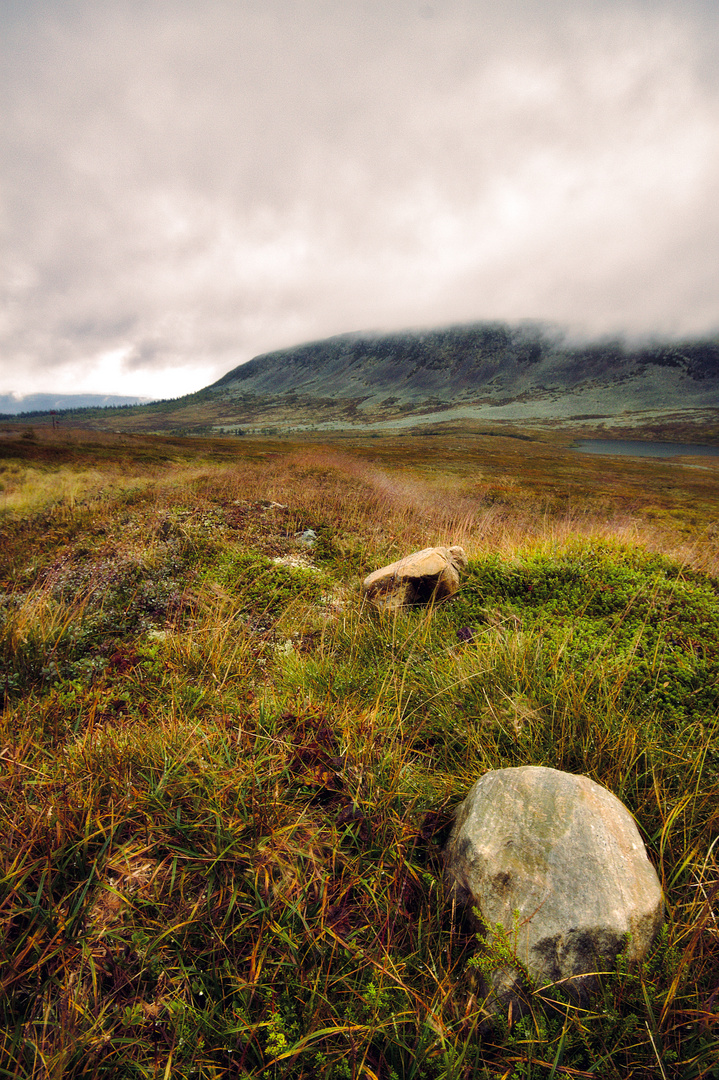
[557, 861]
[428, 575]
[308, 538]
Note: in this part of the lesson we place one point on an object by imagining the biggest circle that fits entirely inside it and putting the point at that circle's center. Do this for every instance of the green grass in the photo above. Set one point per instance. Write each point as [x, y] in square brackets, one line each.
[226, 781]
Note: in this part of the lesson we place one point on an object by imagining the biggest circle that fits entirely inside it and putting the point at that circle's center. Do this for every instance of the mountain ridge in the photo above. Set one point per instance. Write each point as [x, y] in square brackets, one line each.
[528, 371]
[523, 373]
[43, 403]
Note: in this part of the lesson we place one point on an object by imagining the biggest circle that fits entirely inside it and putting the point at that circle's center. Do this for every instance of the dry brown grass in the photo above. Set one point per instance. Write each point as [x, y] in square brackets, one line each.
[222, 807]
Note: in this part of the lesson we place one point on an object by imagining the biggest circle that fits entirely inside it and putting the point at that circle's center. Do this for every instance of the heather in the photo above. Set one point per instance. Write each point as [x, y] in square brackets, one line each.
[227, 780]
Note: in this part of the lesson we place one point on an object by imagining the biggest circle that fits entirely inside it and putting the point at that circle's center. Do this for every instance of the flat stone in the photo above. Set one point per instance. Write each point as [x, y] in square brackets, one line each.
[557, 870]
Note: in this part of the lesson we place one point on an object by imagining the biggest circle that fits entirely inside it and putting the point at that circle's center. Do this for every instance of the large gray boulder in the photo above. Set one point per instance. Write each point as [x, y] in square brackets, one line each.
[557, 861]
[428, 575]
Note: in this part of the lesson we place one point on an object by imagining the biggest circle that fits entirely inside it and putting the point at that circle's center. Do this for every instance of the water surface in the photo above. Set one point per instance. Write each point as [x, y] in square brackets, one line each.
[635, 448]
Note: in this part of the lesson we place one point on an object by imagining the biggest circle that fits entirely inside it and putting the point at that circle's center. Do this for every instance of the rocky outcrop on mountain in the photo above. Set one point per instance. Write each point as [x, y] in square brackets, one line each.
[425, 576]
[556, 868]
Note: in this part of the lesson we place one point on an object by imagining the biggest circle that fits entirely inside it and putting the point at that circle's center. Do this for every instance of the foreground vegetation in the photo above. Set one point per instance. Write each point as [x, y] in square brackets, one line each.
[226, 782]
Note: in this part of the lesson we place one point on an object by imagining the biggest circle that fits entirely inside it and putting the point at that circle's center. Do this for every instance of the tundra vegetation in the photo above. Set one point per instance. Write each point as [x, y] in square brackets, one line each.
[226, 780]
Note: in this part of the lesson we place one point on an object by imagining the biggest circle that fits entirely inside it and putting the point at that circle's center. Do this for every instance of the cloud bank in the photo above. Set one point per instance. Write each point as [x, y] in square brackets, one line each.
[183, 186]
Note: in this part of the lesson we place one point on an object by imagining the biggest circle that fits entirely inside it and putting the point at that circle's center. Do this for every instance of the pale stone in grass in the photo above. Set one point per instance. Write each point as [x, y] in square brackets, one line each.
[558, 862]
[307, 539]
[428, 575]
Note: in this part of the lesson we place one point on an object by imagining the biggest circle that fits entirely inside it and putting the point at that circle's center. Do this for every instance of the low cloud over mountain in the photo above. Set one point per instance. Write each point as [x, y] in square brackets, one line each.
[184, 186]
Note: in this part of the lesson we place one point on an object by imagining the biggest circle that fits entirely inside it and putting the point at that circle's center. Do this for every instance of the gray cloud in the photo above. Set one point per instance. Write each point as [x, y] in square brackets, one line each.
[183, 186]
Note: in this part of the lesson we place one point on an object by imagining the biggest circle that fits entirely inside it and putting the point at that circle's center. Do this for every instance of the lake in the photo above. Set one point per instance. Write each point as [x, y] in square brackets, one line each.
[630, 448]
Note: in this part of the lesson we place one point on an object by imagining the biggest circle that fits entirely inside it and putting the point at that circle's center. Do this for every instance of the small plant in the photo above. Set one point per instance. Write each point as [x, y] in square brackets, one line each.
[226, 783]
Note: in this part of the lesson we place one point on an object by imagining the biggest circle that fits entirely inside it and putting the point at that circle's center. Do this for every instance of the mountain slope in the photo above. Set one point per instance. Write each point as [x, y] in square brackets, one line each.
[524, 371]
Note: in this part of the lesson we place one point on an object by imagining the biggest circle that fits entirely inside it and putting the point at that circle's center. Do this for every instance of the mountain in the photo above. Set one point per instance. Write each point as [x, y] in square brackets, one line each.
[484, 371]
[526, 373]
[43, 403]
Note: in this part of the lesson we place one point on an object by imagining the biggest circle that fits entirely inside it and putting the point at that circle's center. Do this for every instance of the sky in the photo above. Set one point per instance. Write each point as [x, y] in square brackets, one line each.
[185, 184]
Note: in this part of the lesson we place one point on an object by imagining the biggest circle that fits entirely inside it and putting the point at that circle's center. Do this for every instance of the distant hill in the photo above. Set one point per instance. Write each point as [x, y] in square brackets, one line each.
[526, 373]
[485, 370]
[12, 406]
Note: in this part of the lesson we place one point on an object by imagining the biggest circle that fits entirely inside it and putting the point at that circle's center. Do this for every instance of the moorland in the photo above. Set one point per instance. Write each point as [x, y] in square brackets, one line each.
[492, 373]
[226, 781]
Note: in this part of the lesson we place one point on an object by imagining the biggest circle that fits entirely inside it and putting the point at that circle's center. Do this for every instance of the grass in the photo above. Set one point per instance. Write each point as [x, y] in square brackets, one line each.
[226, 781]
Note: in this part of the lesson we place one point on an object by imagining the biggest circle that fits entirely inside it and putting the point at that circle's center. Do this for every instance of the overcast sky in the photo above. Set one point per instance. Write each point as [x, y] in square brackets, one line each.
[187, 183]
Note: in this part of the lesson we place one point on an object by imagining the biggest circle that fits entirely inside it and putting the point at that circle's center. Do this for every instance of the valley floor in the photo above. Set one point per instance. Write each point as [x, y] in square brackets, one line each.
[226, 781]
